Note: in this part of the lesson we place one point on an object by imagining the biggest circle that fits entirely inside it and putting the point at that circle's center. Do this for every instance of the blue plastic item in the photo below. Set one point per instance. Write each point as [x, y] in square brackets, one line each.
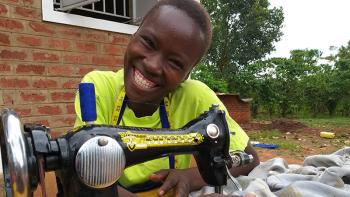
[87, 102]
[268, 146]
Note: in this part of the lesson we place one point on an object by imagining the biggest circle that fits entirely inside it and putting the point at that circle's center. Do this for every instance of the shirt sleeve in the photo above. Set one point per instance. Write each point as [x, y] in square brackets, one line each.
[238, 138]
[200, 98]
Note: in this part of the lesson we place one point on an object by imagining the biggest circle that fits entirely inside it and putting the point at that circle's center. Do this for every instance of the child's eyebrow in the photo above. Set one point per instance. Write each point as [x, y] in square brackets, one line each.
[180, 57]
[148, 33]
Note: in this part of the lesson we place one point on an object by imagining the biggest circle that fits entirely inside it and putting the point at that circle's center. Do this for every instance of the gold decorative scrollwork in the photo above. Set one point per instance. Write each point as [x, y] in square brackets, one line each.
[143, 141]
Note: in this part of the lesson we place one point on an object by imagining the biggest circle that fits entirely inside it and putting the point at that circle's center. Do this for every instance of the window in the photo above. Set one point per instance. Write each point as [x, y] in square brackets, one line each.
[112, 15]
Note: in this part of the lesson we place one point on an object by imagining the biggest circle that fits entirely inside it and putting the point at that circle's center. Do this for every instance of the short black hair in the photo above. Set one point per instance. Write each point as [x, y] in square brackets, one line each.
[194, 10]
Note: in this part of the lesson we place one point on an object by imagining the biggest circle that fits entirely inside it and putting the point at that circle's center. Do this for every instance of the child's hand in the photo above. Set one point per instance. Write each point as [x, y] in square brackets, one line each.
[180, 180]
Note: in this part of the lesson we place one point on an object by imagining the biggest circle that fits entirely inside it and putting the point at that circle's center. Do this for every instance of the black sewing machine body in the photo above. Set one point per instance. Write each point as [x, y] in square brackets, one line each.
[141, 144]
[90, 160]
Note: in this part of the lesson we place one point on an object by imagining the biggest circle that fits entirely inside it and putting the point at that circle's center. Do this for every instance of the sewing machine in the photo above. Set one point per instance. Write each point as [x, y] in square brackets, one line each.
[90, 160]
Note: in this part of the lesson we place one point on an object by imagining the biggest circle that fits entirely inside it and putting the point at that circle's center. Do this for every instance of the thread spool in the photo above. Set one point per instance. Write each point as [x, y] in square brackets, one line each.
[87, 102]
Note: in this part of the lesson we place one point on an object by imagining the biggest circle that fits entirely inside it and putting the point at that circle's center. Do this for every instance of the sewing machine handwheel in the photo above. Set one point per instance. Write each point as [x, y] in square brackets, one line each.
[14, 155]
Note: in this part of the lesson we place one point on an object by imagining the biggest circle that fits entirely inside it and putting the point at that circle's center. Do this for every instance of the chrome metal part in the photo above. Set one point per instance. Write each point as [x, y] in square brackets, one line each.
[250, 159]
[240, 158]
[213, 131]
[234, 181]
[214, 106]
[13, 153]
[100, 166]
[236, 160]
[102, 141]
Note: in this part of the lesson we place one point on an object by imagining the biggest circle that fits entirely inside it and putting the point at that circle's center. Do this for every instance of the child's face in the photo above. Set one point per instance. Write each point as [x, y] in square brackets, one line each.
[161, 54]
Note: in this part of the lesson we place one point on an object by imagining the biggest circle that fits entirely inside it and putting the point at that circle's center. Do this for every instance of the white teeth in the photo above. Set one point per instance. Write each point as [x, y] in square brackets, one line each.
[142, 81]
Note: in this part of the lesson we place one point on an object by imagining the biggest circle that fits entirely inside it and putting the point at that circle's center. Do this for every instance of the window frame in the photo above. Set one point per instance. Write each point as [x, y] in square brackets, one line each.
[51, 15]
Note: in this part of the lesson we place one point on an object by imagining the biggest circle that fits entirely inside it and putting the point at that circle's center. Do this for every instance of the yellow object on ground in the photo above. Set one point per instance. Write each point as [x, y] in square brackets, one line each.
[329, 135]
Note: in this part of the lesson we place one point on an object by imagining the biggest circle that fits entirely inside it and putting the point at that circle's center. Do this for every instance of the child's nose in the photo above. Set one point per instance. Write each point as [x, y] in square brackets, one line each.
[153, 64]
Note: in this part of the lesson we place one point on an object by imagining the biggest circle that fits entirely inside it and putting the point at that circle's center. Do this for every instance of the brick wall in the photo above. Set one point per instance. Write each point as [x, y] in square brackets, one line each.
[41, 63]
[239, 109]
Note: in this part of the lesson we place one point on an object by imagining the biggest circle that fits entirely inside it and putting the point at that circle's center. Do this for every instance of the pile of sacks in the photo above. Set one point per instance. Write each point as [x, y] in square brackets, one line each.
[320, 175]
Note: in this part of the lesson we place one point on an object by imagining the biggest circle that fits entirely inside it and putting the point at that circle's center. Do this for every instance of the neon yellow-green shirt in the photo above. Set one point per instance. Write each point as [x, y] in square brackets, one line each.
[187, 102]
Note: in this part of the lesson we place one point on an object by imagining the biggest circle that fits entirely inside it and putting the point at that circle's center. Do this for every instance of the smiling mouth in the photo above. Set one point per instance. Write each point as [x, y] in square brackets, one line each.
[141, 81]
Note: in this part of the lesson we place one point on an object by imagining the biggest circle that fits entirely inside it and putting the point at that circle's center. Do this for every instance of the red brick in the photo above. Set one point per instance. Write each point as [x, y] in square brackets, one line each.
[3, 10]
[76, 58]
[96, 36]
[238, 110]
[119, 62]
[42, 28]
[70, 33]
[29, 40]
[12, 55]
[33, 3]
[59, 131]
[45, 83]
[4, 39]
[86, 47]
[63, 96]
[30, 69]
[61, 121]
[71, 84]
[28, 1]
[119, 39]
[84, 70]
[13, 83]
[49, 110]
[5, 68]
[11, 24]
[23, 111]
[70, 109]
[61, 70]
[8, 98]
[32, 97]
[11, 1]
[118, 67]
[36, 120]
[27, 13]
[59, 44]
[45, 57]
[104, 60]
[114, 49]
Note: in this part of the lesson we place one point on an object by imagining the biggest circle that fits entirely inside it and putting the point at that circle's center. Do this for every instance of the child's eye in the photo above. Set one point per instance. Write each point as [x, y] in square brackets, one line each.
[148, 42]
[176, 64]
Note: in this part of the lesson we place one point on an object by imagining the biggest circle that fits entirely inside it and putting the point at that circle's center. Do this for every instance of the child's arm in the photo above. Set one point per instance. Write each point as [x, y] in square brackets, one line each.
[187, 180]
[245, 170]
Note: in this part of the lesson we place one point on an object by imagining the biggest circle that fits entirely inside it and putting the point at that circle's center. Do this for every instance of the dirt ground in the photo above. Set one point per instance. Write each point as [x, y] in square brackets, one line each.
[307, 141]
